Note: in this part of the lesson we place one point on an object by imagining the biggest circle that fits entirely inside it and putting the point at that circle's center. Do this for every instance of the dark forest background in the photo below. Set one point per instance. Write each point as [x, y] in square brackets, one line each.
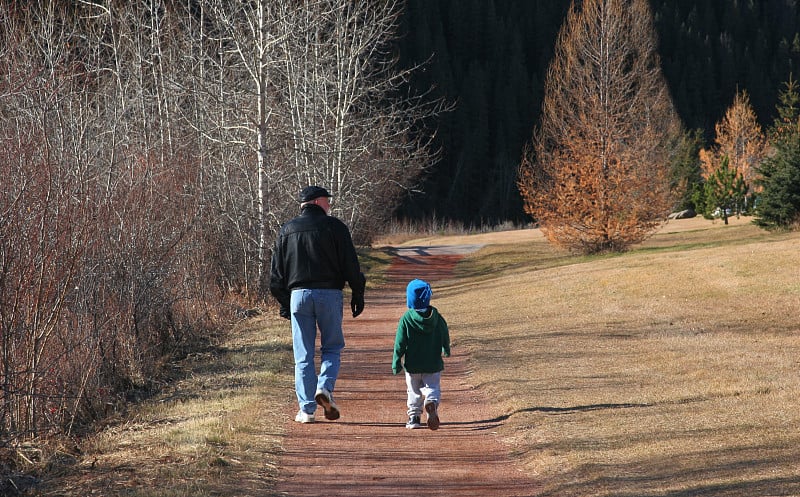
[489, 58]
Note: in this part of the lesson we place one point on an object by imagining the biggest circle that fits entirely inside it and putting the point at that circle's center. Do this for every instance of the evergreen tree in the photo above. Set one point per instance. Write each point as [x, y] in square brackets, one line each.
[686, 176]
[779, 202]
[785, 126]
[725, 190]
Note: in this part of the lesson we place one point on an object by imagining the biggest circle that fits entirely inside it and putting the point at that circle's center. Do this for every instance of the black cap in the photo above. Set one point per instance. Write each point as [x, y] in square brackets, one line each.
[309, 193]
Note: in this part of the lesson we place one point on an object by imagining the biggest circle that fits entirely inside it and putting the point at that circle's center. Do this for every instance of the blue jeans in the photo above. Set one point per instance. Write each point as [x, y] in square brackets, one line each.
[311, 308]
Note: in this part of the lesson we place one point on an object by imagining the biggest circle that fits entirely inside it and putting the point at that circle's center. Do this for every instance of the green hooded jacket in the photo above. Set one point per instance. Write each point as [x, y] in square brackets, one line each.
[420, 342]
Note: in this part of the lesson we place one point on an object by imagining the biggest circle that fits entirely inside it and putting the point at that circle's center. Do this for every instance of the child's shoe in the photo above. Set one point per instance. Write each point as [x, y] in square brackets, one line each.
[413, 423]
[433, 416]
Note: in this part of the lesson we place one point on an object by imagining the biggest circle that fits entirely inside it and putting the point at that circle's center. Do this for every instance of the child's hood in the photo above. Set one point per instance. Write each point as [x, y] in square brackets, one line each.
[423, 322]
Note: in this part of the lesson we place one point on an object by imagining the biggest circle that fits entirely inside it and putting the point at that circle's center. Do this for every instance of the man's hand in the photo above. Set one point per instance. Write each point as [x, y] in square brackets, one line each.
[357, 304]
[284, 312]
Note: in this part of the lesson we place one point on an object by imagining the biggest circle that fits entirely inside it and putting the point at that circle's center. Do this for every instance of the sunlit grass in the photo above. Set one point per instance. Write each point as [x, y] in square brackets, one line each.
[670, 368]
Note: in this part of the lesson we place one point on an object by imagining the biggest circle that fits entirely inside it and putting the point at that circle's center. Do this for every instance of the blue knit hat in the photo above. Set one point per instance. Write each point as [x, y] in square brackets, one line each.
[418, 295]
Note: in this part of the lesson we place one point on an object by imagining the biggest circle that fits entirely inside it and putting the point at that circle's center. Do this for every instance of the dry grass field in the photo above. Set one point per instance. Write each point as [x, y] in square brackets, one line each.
[670, 370]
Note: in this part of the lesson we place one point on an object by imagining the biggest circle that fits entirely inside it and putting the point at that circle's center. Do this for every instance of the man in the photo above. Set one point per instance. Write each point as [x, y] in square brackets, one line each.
[312, 258]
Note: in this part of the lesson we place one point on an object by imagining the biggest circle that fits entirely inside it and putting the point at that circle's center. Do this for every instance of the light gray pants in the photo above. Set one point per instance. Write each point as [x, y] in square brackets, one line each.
[421, 389]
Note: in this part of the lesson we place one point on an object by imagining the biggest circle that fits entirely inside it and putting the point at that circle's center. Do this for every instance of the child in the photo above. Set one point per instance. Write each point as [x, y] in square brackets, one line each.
[422, 337]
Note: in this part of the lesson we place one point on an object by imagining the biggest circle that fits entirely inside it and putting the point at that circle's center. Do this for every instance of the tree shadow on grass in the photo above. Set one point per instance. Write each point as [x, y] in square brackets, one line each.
[724, 473]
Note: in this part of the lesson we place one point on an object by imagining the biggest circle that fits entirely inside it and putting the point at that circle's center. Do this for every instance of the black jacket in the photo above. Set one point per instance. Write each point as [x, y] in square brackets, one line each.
[314, 250]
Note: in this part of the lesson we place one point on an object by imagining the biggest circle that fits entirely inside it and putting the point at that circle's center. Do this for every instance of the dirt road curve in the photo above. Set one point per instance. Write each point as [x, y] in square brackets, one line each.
[368, 452]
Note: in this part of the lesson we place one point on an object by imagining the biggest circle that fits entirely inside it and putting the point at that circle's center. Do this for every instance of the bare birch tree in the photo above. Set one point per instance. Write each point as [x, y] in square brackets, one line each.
[248, 34]
[599, 179]
[310, 88]
[348, 125]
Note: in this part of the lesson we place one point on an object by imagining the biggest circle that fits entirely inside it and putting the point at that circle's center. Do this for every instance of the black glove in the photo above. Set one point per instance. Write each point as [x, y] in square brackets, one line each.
[284, 312]
[357, 304]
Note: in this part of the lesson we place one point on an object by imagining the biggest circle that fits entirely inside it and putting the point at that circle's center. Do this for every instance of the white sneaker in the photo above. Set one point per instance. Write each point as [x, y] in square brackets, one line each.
[325, 399]
[304, 417]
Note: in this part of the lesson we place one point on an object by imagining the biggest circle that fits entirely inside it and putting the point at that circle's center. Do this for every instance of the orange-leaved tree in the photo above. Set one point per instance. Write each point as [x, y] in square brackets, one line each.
[740, 138]
[596, 177]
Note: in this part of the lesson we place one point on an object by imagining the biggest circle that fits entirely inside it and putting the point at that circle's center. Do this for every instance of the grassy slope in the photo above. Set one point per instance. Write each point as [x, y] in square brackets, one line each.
[668, 370]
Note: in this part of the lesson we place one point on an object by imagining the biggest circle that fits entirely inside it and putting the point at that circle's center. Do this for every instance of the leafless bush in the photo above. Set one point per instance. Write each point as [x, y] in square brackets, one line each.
[96, 286]
[150, 151]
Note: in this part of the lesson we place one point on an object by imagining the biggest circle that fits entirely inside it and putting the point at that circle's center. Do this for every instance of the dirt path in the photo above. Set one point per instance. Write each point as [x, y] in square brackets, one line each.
[368, 452]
